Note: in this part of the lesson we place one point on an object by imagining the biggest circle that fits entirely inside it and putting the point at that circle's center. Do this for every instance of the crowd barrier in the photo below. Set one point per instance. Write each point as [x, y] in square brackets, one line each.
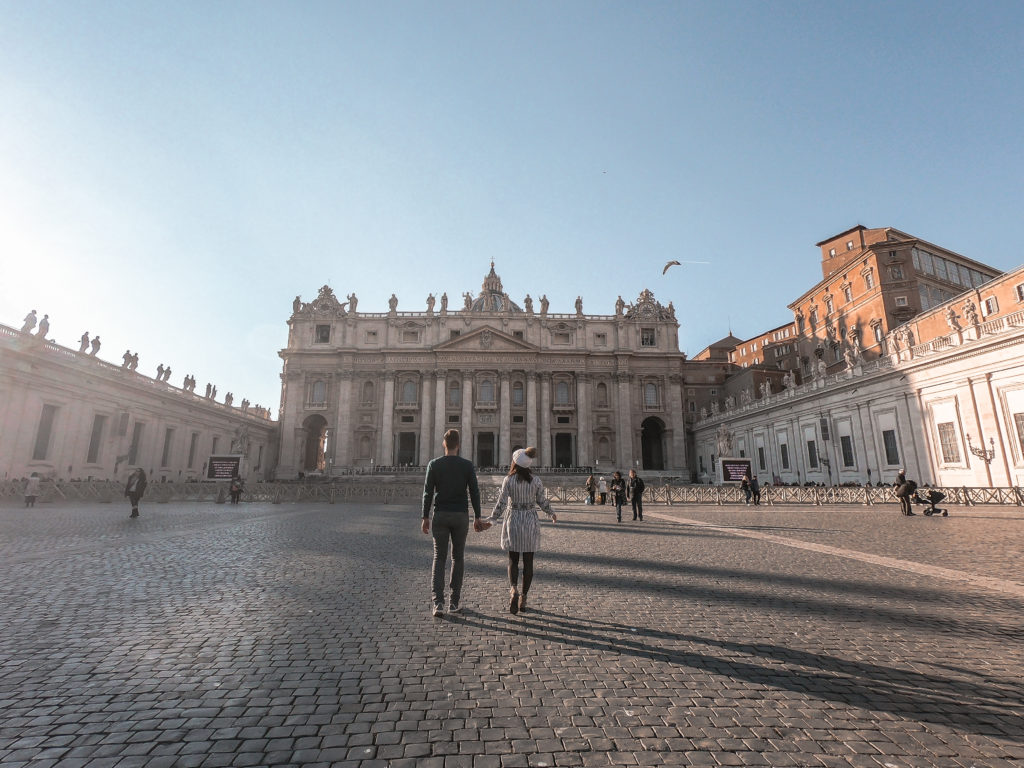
[405, 489]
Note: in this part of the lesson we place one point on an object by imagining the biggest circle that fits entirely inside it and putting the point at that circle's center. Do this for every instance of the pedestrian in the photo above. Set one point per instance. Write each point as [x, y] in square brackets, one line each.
[636, 486]
[745, 487]
[134, 489]
[618, 489]
[236, 489]
[755, 490]
[522, 493]
[591, 490]
[450, 479]
[904, 490]
[602, 489]
[33, 487]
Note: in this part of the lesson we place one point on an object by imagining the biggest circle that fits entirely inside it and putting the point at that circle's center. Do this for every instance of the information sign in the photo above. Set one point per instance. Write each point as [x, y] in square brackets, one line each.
[223, 467]
[733, 470]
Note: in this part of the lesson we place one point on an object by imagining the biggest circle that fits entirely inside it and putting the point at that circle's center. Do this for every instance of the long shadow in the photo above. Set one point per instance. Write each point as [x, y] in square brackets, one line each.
[675, 530]
[756, 577]
[983, 708]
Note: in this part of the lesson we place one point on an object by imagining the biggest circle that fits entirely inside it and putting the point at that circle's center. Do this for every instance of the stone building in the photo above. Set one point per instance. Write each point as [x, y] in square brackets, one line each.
[68, 415]
[937, 389]
[361, 390]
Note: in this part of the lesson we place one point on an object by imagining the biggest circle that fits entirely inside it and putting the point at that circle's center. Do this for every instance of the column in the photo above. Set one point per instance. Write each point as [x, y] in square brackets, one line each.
[425, 448]
[343, 435]
[440, 398]
[625, 438]
[505, 422]
[466, 427]
[675, 393]
[584, 432]
[544, 441]
[288, 466]
[387, 434]
[531, 412]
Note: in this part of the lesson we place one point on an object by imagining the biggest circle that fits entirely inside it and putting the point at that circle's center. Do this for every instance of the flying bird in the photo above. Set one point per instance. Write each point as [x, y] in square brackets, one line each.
[675, 263]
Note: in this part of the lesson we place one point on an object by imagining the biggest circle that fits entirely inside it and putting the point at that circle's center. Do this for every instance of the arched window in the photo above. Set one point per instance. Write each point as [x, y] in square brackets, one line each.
[319, 393]
[454, 394]
[409, 391]
[602, 395]
[518, 397]
[367, 392]
[562, 393]
[486, 391]
[651, 394]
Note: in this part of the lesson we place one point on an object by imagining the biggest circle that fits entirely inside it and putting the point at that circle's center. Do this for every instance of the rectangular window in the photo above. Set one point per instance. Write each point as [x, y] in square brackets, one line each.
[846, 444]
[848, 294]
[454, 334]
[323, 334]
[784, 455]
[192, 449]
[647, 337]
[517, 334]
[829, 308]
[99, 423]
[760, 458]
[122, 424]
[948, 443]
[991, 306]
[371, 337]
[869, 280]
[165, 457]
[896, 272]
[601, 339]
[408, 419]
[561, 337]
[1018, 421]
[892, 453]
[901, 301]
[453, 418]
[133, 449]
[1020, 292]
[410, 337]
[213, 445]
[44, 432]
[812, 454]
[517, 419]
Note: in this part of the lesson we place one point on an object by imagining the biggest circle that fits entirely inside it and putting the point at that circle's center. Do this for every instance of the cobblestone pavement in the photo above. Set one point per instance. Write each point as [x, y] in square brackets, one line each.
[263, 635]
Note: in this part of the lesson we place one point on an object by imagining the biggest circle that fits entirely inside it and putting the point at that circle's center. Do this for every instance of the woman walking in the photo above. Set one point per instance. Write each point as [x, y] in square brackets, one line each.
[618, 489]
[521, 495]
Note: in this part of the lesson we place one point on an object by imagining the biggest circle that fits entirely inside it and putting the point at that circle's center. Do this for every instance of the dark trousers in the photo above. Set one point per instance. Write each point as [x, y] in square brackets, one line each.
[134, 499]
[449, 529]
[905, 505]
[638, 506]
[619, 501]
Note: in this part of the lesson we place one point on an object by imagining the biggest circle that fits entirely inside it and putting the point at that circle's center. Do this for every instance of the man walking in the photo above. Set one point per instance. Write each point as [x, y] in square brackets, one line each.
[449, 479]
[636, 494]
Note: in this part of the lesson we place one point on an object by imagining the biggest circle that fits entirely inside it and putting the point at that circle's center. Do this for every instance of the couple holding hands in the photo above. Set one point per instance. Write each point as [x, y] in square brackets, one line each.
[450, 479]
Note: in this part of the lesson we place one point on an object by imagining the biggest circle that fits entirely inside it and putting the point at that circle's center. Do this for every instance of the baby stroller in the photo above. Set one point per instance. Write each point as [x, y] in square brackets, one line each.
[931, 497]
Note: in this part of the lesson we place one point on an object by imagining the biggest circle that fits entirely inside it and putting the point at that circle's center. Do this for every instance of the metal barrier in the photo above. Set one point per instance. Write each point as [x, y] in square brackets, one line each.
[409, 490]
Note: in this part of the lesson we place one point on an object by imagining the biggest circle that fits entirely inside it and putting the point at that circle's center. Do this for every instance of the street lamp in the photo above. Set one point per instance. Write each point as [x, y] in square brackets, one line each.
[985, 454]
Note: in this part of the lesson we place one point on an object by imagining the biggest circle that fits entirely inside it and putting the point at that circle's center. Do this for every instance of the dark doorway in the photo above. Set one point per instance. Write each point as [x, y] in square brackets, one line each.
[314, 452]
[652, 443]
[485, 449]
[563, 450]
[406, 453]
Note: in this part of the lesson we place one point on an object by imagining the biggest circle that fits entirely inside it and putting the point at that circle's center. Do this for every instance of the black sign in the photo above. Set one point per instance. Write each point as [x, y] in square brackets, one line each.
[733, 470]
[223, 467]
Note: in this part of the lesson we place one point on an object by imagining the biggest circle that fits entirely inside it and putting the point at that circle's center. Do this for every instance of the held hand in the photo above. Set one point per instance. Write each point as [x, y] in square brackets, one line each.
[426, 525]
[554, 518]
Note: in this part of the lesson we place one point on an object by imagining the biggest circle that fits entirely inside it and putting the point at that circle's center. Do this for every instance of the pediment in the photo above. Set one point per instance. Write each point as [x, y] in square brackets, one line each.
[485, 339]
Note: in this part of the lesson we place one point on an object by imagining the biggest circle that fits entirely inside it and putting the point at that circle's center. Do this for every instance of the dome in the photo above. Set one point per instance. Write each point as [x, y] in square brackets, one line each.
[492, 296]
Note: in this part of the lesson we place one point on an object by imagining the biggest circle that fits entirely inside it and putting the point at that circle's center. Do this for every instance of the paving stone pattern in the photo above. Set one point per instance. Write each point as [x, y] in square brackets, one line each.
[273, 635]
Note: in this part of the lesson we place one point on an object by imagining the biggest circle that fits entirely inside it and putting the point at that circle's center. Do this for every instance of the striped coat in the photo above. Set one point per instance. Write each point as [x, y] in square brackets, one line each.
[516, 510]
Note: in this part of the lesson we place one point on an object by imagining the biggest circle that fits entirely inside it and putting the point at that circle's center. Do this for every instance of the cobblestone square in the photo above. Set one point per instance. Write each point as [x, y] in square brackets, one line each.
[273, 635]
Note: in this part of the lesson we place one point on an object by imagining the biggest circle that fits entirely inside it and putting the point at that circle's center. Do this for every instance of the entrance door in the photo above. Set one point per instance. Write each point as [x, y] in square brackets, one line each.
[406, 448]
[563, 450]
[485, 449]
[652, 443]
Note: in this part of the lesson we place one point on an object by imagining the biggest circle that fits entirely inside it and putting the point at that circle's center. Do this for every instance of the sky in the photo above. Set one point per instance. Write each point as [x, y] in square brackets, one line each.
[172, 175]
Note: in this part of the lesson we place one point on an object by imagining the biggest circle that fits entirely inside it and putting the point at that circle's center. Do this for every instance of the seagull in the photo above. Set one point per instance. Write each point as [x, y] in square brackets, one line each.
[675, 263]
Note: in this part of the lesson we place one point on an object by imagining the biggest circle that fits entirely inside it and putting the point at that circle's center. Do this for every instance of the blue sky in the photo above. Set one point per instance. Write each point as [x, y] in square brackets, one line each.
[173, 174]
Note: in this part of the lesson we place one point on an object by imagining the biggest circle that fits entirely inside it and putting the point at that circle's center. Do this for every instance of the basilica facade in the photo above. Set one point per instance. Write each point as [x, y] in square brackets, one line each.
[364, 390]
